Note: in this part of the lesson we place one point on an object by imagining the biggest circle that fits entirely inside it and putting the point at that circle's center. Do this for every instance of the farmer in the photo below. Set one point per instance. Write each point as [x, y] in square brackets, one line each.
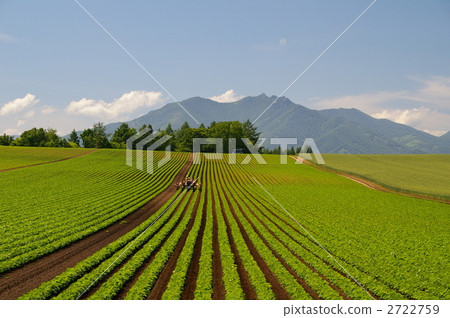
[188, 182]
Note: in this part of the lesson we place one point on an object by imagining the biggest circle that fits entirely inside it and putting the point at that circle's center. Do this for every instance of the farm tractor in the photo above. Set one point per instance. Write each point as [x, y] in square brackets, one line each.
[189, 184]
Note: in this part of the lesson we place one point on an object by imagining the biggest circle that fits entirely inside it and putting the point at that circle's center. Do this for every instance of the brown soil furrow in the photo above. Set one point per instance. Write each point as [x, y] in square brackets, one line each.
[246, 284]
[217, 270]
[305, 286]
[54, 161]
[341, 293]
[164, 277]
[17, 282]
[278, 289]
[324, 261]
[308, 238]
[192, 273]
[100, 282]
[123, 293]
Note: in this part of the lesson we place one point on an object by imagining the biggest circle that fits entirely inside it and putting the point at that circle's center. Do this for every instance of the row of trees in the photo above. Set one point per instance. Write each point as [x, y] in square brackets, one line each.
[180, 139]
[36, 137]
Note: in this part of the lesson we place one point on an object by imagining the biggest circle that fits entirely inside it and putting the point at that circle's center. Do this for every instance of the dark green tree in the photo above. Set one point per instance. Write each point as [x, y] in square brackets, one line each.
[184, 138]
[6, 140]
[99, 135]
[87, 136]
[121, 135]
[169, 130]
[149, 127]
[74, 137]
[212, 124]
[250, 131]
[35, 137]
[53, 140]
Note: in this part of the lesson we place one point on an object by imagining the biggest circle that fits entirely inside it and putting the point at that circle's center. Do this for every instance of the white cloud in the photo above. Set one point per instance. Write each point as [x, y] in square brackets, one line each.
[437, 133]
[426, 108]
[367, 102]
[20, 123]
[127, 103]
[11, 132]
[404, 116]
[29, 114]
[18, 105]
[228, 97]
[283, 42]
[7, 38]
[438, 89]
[47, 110]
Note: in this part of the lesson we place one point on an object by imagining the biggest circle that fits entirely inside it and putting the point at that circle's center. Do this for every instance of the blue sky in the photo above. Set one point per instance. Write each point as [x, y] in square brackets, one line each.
[59, 69]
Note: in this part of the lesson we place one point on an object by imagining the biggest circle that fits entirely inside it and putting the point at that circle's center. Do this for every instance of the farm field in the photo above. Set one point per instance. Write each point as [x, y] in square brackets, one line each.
[422, 174]
[232, 240]
[13, 157]
[44, 208]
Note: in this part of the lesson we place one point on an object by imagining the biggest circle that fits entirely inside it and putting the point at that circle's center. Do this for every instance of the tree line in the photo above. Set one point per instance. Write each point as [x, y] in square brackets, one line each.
[180, 139]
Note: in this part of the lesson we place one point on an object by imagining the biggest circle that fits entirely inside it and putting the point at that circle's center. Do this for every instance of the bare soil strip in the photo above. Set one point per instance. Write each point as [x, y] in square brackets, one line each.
[100, 282]
[17, 282]
[219, 291]
[370, 184]
[246, 284]
[305, 286]
[123, 293]
[343, 295]
[164, 277]
[278, 289]
[190, 283]
[54, 161]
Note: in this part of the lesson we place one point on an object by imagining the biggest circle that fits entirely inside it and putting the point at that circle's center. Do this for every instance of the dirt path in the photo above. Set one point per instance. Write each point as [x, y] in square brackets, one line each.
[129, 284]
[369, 184]
[219, 291]
[164, 277]
[190, 283]
[17, 282]
[246, 284]
[54, 161]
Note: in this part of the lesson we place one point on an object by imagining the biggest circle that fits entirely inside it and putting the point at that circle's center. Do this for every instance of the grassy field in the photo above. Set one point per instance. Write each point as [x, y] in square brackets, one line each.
[233, 241]
[12, 157]
[423, 174]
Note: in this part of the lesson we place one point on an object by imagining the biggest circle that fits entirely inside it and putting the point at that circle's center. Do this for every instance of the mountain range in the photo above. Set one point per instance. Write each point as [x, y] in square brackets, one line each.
[334, 130]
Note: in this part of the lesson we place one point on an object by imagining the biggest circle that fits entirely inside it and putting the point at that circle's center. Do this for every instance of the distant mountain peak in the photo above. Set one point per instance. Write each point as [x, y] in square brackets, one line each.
[343, 130]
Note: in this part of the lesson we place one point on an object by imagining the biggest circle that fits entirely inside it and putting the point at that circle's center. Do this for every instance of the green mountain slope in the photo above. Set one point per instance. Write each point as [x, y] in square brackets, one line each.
[334, 130]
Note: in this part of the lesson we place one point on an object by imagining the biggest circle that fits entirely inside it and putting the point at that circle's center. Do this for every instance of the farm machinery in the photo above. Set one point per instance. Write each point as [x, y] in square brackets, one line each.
[189, 184]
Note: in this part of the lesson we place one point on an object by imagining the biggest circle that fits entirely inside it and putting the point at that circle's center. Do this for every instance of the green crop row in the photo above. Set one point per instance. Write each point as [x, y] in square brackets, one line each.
[49, 224]
[114, 284]
[141, 289]
[204, 285]
[256, 276]
[93, 267]
[365, 230]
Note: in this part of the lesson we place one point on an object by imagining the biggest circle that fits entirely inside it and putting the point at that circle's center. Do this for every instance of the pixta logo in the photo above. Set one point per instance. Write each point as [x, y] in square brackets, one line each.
[145, 140]
[308, 148]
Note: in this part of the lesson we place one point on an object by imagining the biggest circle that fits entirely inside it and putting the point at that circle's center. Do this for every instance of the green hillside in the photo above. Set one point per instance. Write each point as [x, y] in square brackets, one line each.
[426, 174]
